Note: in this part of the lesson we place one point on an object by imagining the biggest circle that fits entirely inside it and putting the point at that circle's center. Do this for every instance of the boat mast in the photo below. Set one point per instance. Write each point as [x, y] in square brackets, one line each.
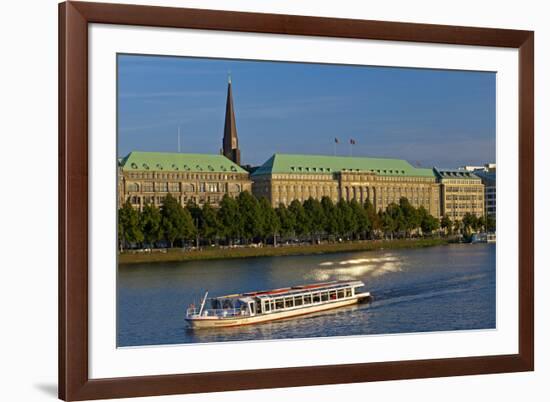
[203, 303]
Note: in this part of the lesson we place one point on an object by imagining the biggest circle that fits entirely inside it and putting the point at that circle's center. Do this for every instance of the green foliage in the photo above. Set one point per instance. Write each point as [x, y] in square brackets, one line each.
[209, 226]
[271, 224]
[301, 222]
[129, 230]
[447, 224]
[247, 218]
[150, 223]
[315, 216]
[251, 215]
[229, 218]
[286, 220]
[177, 222]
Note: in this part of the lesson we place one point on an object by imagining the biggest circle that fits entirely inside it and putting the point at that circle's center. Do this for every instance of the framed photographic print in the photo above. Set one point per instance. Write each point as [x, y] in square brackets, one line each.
[258, 201]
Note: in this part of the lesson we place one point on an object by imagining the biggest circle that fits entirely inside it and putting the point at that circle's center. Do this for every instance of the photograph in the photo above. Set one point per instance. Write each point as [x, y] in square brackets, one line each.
[266, 200]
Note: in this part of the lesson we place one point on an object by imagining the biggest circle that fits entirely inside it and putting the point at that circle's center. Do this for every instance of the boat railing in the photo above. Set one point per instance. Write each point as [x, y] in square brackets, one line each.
[209, 312]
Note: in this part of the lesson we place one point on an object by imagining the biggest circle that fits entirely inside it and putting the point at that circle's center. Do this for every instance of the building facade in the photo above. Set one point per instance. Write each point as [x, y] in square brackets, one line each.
[284, 178]
[461, 192]
[489, 180]
[148, 177]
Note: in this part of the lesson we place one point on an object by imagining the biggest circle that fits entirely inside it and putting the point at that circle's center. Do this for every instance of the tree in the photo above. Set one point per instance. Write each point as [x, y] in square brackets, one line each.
[301, 223]
[270, 220]
[150, 223]
[457, 226]
[411, 217]
[249, 209]
[129, 230]
[393, 220]
[447, 224]
[286, 219]
[330, 213]
[315, 216]
[347, 225]
[469, 222]
[177, 222]
[209, 226]
[196, 215]
[427, 222]
[361, 218]
[374, 219]
[229, 218]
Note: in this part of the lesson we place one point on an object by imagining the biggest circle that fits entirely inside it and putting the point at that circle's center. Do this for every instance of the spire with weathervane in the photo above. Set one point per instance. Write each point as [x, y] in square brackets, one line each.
[230, 140]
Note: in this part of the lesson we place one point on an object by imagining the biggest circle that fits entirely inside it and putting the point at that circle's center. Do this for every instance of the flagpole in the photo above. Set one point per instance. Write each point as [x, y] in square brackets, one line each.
[179, 142]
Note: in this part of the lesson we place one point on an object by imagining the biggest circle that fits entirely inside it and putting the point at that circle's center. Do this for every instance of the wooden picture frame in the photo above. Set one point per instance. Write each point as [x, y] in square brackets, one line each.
[74, 381]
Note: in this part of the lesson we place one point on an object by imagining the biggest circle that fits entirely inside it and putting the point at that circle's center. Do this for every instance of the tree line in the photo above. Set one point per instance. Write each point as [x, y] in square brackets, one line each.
[246, 219]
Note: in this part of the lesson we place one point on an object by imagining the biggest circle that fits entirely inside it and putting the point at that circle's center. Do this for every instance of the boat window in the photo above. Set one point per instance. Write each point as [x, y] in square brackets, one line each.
[316, 298]
[227, 303]
[332, 295]
[215, 304]
[267, 306]
[289, 302]
[279, 304]
[324, 296]
[341, 293]
[307, 299]
[298, 301]
[348, 292]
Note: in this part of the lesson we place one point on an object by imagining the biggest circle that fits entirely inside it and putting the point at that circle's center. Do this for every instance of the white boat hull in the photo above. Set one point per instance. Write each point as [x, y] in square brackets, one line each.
[218, 322]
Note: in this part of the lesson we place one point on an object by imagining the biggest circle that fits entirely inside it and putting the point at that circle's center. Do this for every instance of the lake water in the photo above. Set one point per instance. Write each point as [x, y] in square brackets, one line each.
[440, 288]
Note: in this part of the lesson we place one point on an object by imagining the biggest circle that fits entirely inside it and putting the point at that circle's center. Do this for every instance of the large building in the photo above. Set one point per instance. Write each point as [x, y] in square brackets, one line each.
[461, 192]
[284, 178]
[147, 177]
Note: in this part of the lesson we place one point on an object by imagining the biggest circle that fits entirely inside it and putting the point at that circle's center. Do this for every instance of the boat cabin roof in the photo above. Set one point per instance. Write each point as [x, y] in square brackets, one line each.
[294, 290]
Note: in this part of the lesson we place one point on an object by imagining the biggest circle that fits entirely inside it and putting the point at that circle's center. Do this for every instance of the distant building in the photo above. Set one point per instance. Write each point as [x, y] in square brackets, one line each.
[284, 178]
[489, 180]
[147, 177]
[461, 192]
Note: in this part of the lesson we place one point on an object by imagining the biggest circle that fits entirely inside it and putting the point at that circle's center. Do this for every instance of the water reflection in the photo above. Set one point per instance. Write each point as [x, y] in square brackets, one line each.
[439, 288]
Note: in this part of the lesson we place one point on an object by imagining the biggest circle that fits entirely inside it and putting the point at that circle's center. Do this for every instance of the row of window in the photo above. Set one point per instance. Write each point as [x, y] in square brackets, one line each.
[463, 197]
[477, 189]
[312, 298]
[158, 200]
[184, 176]
[163, 187]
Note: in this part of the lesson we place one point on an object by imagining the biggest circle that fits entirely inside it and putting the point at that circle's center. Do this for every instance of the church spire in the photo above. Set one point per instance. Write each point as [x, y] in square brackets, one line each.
[230, 139]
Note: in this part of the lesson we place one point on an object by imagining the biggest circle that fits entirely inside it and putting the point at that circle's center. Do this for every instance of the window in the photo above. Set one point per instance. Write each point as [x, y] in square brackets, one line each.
[298, 300]
[324, 296]
[267, 306]
[340, 293]
[316, 298]
[279, 304]
[174, 187]
[332, 295]
[289, 302]
[348, 292]
[307, 299]
[163, 187]
[148, 187]
[133, 187]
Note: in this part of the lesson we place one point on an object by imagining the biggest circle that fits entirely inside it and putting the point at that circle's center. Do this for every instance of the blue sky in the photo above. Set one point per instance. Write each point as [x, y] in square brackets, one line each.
[428, 117]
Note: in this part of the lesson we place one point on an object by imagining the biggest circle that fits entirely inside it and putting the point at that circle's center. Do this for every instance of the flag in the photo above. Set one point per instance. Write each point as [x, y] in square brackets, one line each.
[352, 141]
[336, 140]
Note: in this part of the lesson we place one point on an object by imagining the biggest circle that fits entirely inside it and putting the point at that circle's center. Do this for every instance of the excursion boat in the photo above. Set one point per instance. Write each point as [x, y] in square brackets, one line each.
[269, 305]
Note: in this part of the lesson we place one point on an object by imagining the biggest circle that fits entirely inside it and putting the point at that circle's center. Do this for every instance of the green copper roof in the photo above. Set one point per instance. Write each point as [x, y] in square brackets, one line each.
[315, 164]
[177, 162]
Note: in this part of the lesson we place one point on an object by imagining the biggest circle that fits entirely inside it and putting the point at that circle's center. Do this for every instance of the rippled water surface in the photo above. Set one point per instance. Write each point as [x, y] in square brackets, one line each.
[432, 289]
